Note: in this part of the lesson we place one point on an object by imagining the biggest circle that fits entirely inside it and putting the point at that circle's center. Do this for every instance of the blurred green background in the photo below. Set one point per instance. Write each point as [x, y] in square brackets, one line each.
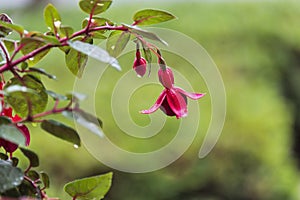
[256, 46]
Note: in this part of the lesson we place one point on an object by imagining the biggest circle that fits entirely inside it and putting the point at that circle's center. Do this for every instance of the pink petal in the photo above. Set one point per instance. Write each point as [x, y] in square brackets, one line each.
[193, 96]
[25, 132]
[156, 104]
[166, 77]
[177, 103]
[165, 107]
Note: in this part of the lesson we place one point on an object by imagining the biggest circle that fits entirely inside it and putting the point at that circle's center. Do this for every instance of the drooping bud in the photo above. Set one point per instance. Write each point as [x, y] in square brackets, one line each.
[166, 77]
[140, 66]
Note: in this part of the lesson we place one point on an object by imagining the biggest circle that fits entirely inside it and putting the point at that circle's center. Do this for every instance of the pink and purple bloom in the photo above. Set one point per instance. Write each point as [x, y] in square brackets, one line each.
[173, 100]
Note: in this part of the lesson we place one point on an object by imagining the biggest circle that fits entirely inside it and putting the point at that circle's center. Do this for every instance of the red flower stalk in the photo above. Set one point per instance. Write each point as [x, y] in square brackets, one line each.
[7, 112]
[173, 100]
[140, 64]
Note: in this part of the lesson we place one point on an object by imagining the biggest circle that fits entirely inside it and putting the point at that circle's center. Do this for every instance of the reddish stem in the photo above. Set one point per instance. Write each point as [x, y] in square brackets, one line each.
[63, 42]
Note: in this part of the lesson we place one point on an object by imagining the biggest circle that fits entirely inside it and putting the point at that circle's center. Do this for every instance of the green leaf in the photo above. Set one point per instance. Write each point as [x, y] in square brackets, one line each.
[18, 100]
[56, 96]
[2, 57]
[48, 37]
[117, 42]
[98, 35]
[4, 31]
[24, 65]
[6, 26]
[30, 44]
[150, 16]
[10, 132]
[33, 175]
[76, 62]
[144, 33]
[66, 31]
[10, 176]
[43, 72]
[95, 52]
[14, 161]
[61, 131]
[9, 44]
[18, 88]
[52, 18]
[45, 179]
[32, 157]
[90, 188]
[94, 7]
[86, 120]
[3, 156]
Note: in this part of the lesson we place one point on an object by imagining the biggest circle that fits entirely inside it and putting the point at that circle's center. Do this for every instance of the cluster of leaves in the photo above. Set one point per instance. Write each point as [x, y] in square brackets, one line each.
[27, 95]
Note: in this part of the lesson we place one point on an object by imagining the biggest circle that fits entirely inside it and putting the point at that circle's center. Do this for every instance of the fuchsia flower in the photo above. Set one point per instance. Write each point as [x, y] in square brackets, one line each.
[139, 64]
[7, 145]
[173, 100]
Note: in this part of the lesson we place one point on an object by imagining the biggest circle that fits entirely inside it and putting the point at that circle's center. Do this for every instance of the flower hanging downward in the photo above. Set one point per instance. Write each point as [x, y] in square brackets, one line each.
[140, 64]
[173, 100]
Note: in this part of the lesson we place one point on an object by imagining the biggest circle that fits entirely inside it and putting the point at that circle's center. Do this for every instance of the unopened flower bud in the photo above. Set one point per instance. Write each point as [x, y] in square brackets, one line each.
[140, 66]
[166, 77]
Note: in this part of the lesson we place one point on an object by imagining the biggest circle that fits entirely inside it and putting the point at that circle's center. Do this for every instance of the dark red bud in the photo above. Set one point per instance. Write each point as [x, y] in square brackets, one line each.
[140, 66]
[166, 77]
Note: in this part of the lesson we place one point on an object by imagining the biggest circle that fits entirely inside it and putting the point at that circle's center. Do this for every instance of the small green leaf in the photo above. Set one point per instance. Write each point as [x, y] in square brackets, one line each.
[14, 161]
[66, 31]
[48, 37]
[150, 16]
[2, 56]
[52, 18]
[94, 7]
[32, 157]
[10, 132]
[95, 52]
[89, 188]
[9, 44]
[3, 156]
[24, 65]
[86, 120]
[45, 179]
[18, 100]
[56, 96]
[43, 72]
[30, 44]
[10, 176]
[76, 62]
[117, 42]
[61, 131]
[144, 33]
[6, 26]
[33, 175]
[4, 30]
